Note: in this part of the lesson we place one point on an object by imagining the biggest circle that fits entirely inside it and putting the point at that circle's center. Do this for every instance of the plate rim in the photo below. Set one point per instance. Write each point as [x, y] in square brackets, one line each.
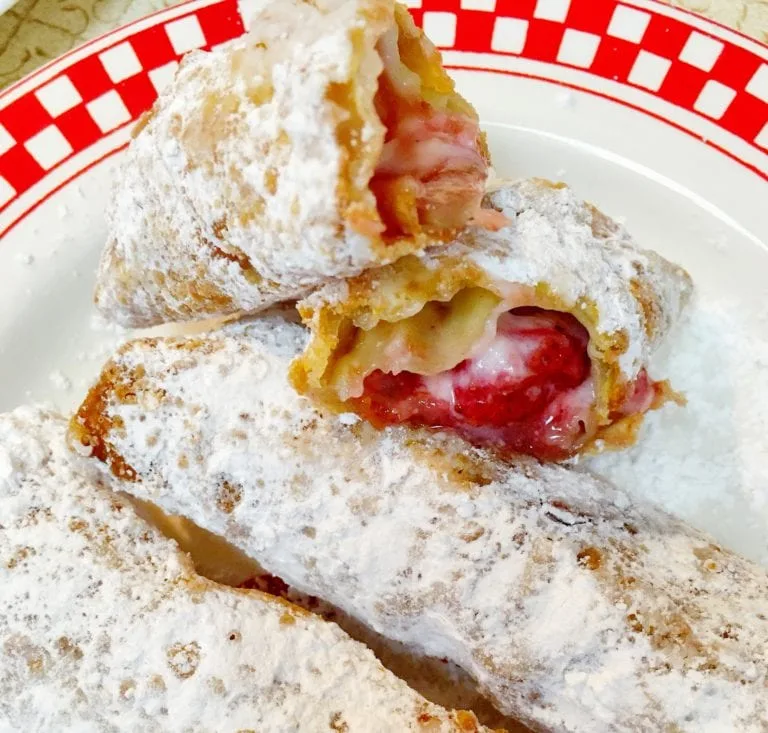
[234, 12]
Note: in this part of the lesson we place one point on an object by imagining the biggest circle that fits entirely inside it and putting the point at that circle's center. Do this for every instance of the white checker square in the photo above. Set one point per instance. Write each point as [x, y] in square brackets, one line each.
[58, 96]
[701, 51]
[120, 62]
[578, 48]
[6, 141]
[162, 76]
[556, 10]
[440, 28]
[489, 6]
[48, 147]
[762, 137]
[714, 99]
[649, 71]
[7, 192]
[628, 24]
[758, 84]
[509, 35]
[185, 34]
[248, 10]
[108, 111]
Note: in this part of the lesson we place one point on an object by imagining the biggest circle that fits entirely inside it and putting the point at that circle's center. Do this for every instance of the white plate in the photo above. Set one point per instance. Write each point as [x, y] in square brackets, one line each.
[658, 116]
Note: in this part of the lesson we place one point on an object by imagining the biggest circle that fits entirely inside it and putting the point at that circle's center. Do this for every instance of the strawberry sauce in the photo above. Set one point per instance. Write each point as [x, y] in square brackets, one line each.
[528, 390]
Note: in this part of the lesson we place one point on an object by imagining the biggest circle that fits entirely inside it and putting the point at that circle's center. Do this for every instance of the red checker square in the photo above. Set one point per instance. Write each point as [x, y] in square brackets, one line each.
[418, 16]
[220, 23]
[24, 118]
[474, 31]
[615, 58]
[735, 67]
[665, 36]
[153, 47]
[20, 169]
[590, 16]
[543, 40]
[90, 78]
[79, 128]
[745, 116]
[683, 84]
[451, 6]
[515, 8]
[138, 94]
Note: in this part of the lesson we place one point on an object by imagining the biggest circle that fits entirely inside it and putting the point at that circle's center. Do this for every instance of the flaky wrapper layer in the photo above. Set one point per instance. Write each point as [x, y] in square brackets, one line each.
[247, 182]
[574, 607]
[559, 253]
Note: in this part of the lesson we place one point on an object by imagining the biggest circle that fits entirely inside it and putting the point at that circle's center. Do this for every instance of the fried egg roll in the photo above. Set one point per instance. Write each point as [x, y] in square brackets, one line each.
[326, 140]
[533, 339]
[574, 607]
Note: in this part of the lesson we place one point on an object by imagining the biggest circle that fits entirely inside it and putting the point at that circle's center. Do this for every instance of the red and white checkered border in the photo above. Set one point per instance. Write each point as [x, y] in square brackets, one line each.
[78, 101]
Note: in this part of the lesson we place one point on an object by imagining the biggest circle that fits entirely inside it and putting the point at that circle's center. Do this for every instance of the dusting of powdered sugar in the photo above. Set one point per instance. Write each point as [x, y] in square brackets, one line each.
[106, 627]
[252, 212]
[708, 462]
[60, 380]
[552, 241]
[574, 606]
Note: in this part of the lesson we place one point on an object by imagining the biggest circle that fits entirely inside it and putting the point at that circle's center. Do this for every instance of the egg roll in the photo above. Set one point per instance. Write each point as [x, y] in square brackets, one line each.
[574, 607]
[327, 139]
[106, 626]
[533, 339]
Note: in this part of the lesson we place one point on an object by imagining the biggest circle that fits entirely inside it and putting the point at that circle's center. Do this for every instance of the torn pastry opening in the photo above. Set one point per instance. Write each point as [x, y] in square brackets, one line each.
[501, 371]
[431, 171]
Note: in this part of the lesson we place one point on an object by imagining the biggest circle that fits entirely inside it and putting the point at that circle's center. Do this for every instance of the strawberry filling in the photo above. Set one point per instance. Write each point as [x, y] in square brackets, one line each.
[431, 172]
[529, 390]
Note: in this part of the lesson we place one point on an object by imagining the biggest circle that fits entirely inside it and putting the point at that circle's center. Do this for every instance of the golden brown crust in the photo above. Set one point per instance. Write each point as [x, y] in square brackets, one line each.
[91, 424]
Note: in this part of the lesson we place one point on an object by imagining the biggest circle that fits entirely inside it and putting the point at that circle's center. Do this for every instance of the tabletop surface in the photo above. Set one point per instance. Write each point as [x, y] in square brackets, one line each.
[33, 32]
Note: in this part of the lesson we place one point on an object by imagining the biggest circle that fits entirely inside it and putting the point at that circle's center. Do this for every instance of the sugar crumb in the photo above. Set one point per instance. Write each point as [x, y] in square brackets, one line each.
[60, 380]
[566, 99]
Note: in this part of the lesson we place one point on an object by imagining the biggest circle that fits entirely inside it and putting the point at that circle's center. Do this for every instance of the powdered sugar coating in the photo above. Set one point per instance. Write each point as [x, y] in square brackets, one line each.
[105, 626]
[138, 278]
[582, 257]
[236, 192]
[574, 607]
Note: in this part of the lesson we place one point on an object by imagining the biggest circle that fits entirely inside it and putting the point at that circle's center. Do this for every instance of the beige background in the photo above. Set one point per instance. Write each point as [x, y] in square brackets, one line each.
[35, 31]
